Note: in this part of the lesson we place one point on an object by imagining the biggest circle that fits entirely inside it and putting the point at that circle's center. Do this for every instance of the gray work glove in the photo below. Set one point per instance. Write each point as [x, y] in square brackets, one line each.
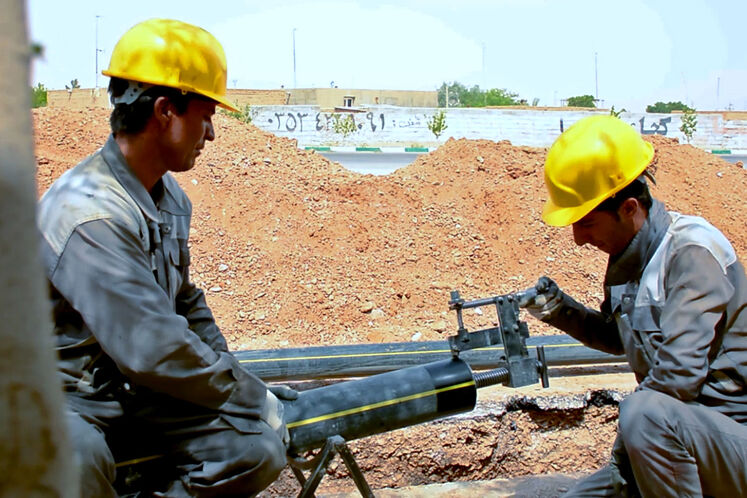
[544, 301]
[284, 392]
[274, 415]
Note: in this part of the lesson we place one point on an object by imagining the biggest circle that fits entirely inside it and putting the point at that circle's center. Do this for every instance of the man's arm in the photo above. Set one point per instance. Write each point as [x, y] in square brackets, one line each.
[697, 292]
[593, 328]
[106, 276]
[191, 304]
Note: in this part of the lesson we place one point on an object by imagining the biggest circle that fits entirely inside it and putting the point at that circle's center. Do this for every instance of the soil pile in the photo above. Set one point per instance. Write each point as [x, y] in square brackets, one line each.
[294, 250]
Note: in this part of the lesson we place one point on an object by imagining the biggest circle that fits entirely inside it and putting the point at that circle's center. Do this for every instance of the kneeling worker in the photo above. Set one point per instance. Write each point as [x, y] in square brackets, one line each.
[138, 345]
[675, 303]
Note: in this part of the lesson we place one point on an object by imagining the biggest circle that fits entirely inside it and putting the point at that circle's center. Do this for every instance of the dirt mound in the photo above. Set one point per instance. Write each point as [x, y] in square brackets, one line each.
[293, 249]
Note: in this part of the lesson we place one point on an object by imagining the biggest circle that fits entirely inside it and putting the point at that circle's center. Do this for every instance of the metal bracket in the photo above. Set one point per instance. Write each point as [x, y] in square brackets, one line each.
[521, 369]
[319, 463]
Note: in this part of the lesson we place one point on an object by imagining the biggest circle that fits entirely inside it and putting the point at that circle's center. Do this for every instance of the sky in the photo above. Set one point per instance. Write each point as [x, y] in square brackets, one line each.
[627, 53]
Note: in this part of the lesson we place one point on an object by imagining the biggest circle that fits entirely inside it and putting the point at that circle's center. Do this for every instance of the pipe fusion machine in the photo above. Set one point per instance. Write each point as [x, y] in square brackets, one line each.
[327, 417]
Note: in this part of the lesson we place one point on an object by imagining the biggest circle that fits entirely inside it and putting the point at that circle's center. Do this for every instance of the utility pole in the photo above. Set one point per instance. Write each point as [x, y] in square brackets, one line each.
[294, 57]
[484, 82]
[97, 52]
[596, 81]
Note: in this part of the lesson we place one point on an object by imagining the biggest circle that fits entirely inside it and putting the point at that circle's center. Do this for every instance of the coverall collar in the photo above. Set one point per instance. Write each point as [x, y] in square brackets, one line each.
[122, 171]
[629, 264]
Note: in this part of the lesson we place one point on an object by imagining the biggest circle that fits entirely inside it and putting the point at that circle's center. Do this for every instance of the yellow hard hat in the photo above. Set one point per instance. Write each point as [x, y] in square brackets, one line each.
[174, 54]
[592, 160]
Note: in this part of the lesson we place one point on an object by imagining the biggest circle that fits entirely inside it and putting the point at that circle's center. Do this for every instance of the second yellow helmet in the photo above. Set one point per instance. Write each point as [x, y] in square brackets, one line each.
[592, 160]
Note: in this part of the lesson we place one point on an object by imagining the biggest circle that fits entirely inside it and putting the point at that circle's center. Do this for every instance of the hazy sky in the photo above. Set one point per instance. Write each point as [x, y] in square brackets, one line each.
[629, 53]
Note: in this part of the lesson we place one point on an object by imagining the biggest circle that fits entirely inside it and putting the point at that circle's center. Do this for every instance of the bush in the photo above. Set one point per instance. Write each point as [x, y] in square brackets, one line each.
[38, 96]
[243, 114]
[689, 120]
[437, 123]
[344, 126]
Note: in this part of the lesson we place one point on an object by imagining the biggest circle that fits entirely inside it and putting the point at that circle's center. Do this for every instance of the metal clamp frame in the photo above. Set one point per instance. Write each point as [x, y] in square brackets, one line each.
[319, 463]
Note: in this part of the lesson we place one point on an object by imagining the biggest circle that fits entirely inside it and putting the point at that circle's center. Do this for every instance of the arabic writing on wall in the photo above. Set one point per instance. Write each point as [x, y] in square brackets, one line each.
[291, 122]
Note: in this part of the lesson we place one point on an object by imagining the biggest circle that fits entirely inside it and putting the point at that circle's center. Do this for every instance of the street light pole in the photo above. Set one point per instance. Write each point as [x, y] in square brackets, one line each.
[294, 57]
[97, 52]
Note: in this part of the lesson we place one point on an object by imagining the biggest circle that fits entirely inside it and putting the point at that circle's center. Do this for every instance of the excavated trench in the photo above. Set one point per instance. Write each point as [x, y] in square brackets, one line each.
[510, 434]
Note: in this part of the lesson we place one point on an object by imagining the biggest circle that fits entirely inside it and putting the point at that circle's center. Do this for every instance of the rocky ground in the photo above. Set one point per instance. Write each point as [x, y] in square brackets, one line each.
[295, 250]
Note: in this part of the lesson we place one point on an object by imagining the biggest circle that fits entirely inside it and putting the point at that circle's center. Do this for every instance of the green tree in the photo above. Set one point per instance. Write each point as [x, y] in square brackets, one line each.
[38, 96]
[437, 123]
[667, 108]
[461, 96]
[689, 120]
[497, 97]
[73, 85]
[582, 101]
[453, 92]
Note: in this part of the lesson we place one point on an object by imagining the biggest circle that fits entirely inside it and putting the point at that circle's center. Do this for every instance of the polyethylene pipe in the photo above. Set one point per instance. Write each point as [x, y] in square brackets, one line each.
[381, 403]
[358, 360]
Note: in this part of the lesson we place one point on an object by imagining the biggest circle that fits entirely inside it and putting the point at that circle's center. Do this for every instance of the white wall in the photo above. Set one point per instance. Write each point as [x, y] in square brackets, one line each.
[382, 126]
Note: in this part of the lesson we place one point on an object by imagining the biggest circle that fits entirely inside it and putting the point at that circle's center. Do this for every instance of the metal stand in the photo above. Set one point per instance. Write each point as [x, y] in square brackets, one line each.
[319, 463]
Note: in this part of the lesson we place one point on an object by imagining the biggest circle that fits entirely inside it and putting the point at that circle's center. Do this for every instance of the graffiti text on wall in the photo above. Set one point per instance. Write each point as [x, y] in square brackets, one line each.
[294, 121]
[325, 121]
[659, 128]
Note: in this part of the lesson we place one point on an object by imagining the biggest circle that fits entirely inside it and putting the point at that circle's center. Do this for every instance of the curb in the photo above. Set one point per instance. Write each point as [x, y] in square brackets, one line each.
[411, 150]
[740, 152]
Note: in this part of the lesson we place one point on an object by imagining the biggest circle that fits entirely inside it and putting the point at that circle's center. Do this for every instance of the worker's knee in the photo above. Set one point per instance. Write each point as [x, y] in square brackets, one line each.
[245, 463]
[92, 456]
[644, 417]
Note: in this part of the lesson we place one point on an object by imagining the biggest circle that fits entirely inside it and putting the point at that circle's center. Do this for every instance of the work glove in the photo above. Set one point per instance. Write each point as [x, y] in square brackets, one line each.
[284, 392]
[274, 415]
[544, 300]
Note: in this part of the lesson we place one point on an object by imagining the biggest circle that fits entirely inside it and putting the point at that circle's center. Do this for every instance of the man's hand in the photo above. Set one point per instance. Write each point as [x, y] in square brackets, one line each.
[273, 414]
[545, 302]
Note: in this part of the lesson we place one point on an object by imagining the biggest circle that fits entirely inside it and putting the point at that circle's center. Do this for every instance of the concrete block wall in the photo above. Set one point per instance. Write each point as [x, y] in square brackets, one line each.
[79, 98]
[386, 126]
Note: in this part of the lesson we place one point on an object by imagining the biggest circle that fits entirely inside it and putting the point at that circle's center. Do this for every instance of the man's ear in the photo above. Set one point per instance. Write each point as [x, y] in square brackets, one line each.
[629, 208]
[163, 110]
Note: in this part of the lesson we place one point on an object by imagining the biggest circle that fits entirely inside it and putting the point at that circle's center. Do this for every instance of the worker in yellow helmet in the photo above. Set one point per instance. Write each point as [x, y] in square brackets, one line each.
[675, 303]
[144, 365]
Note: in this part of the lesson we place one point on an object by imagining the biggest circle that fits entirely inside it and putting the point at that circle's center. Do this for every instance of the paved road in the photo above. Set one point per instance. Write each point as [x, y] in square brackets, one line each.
[374, 163]
[733, 158]
[383, 163]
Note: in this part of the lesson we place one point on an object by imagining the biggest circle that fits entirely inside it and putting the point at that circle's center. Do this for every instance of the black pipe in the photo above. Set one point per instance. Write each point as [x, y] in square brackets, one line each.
[359, 360]
[380, 403]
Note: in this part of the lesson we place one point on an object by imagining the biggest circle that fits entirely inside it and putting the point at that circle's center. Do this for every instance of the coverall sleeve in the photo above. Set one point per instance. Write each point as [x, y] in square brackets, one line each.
[697, 293]
[191, 304]
[595, 329]
[106, 275]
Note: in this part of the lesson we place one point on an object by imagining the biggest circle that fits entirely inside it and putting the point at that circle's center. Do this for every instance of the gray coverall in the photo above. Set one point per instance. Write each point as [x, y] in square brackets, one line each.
[676, 305]
[137, 341]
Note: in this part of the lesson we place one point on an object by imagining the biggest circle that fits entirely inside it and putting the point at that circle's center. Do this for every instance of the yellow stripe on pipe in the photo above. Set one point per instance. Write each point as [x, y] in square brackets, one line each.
[397, 353]
[374, 406]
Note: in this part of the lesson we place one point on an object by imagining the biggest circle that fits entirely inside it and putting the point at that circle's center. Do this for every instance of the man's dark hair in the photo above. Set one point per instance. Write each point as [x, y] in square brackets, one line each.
[132, 118]
[638, 189]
